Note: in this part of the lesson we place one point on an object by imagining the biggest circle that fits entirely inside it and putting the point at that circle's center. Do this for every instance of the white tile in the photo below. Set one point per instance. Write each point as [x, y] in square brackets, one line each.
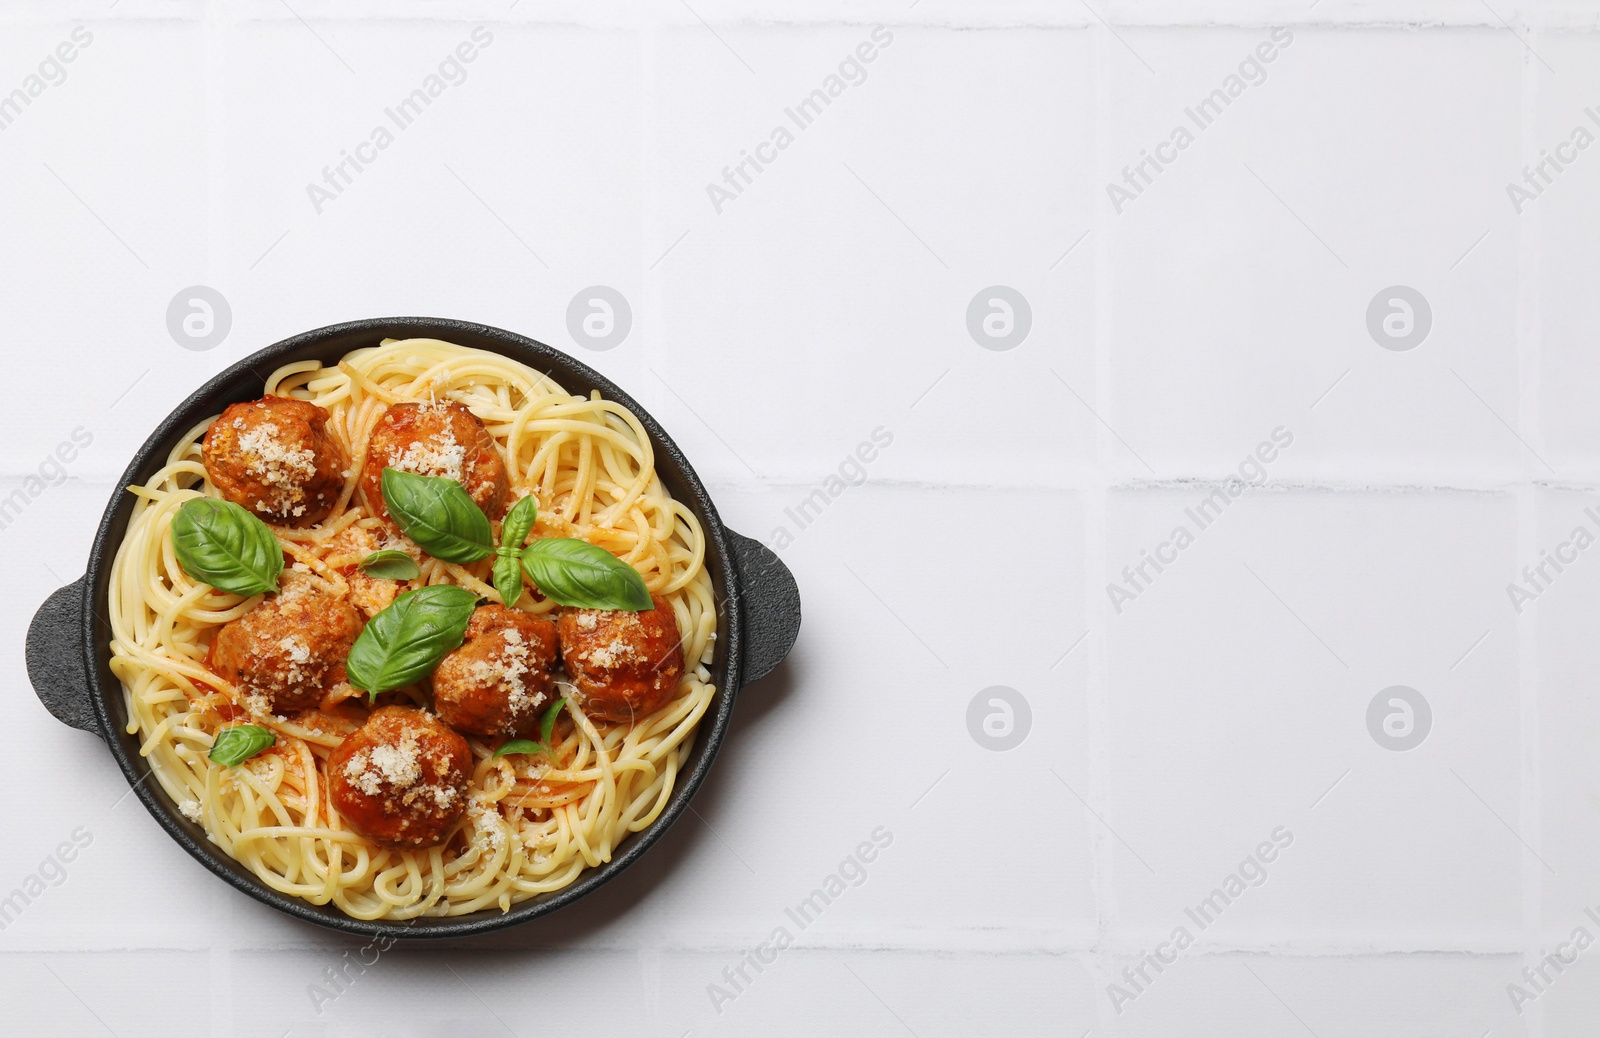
[1241, 276]
[1560, 620]
[496, 202]
[1430, 996]
[90, 993]
[1239, 684]
[1568, 1001]
[378, 989]
[804, 992]
[831, 295]
[105, 178]
[1564, 229]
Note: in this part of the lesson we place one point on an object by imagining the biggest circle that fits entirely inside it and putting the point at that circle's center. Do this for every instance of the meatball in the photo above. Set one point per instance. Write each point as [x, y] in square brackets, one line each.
[401, 778]
[624, 664]
[274, 456]
[438, 439]
[282, 654]
[499, 680]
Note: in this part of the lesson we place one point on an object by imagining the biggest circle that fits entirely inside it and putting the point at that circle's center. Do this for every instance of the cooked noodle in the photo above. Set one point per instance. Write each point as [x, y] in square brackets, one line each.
[531, 826]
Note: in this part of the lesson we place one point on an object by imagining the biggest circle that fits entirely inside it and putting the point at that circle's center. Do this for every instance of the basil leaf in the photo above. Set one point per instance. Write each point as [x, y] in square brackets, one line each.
[439, 515]
[226, 546]
[234, 746]
[391, 564]
[571, 572]
[508, 578]
[547, 723]
[521, 746]
[518, 523]
[405, 641]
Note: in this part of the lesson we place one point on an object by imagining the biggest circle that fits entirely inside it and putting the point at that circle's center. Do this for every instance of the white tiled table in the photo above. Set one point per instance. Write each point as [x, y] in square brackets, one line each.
[775, 332]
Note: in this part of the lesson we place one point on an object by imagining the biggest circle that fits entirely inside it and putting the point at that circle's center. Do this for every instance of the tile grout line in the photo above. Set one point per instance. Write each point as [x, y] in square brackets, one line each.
[1528, 348]
[1096, 504]
[1438, 18]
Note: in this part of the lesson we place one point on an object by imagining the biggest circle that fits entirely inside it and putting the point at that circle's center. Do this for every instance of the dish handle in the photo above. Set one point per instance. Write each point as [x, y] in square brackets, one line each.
[55, 658]
[771, 606]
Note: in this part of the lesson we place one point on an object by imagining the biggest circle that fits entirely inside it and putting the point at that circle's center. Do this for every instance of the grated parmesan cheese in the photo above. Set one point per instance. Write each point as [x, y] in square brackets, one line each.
[439, 456]
[490, 831]
[399, 765]
[295, 647]
[508, 668]
[277, 465]
[618, 651]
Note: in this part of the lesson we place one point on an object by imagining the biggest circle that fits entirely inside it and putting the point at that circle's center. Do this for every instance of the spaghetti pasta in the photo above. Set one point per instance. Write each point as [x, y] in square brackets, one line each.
[532, 824]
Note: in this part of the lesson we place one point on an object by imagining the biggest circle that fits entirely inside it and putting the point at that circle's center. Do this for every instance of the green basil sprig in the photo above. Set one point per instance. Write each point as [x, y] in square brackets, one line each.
[391, 564]
[442, 518]
[406, 640]
[233, 746]
[508, 557]
[571, 572]
[547, 724]
[439, 515]
[226, 546]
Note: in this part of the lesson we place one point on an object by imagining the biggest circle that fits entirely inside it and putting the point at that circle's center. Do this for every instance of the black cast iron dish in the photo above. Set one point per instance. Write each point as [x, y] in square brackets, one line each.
[68, 651]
